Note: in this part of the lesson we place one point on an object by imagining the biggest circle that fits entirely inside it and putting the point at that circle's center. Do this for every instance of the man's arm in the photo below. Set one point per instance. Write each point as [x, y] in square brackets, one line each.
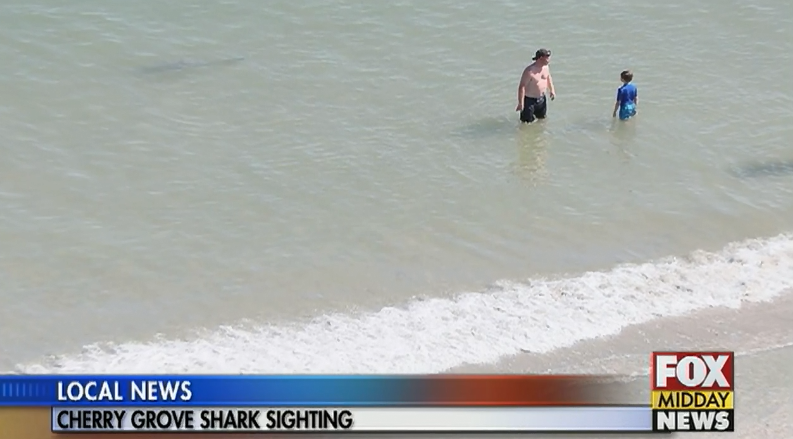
[550, 85]
[522, 89]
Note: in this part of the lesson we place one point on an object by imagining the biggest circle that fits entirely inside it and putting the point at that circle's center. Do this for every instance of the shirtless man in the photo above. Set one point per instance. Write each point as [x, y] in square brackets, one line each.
[535, 80]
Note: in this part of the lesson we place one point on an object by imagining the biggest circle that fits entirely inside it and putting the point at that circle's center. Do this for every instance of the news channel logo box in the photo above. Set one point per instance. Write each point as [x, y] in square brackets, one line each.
[693, 391]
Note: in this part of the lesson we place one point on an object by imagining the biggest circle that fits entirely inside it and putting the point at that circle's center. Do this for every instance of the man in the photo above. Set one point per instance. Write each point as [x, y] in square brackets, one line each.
[536, 79]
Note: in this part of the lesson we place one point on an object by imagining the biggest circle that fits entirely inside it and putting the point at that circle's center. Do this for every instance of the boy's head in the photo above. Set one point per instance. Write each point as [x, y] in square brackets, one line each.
[626, 76]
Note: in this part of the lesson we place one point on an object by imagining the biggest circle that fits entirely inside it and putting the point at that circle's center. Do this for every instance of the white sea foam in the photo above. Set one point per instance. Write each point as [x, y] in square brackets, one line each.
[434, 335]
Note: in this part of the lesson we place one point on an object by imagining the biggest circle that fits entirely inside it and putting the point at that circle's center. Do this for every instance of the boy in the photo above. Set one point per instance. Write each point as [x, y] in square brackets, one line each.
[627, 97]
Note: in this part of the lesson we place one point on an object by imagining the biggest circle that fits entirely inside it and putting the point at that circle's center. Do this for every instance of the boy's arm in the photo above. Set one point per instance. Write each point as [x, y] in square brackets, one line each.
[616, 105]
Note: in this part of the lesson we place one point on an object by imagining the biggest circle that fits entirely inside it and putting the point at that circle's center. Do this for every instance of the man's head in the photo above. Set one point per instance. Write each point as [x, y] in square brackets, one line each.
[542, 56]
[626, 76]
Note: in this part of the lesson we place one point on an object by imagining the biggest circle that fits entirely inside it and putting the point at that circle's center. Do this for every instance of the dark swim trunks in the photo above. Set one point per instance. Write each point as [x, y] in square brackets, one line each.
[533, 109]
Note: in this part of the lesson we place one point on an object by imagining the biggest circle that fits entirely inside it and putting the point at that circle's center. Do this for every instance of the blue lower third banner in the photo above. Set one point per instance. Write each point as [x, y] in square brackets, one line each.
[353, 419]
[309, 391]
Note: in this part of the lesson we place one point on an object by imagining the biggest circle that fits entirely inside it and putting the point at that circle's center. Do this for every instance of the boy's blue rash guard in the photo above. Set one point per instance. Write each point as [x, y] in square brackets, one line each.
[626, 96]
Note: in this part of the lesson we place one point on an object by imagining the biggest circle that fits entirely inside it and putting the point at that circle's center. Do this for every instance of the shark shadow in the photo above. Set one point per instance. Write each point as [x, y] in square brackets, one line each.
[774, 168]
[186, 65]
[487, 128]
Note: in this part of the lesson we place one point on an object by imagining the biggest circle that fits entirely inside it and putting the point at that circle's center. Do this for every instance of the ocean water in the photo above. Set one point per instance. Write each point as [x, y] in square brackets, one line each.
[343, 186]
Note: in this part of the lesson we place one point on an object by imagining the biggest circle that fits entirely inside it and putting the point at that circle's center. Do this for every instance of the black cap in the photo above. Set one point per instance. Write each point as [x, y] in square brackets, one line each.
[541, 53]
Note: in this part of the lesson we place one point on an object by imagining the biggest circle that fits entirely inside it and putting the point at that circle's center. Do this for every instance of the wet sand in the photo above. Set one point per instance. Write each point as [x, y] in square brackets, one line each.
[761, 334]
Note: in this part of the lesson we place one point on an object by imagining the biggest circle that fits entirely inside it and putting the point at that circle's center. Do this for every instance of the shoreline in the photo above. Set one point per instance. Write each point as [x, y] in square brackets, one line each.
[752, 329]
[761, 334]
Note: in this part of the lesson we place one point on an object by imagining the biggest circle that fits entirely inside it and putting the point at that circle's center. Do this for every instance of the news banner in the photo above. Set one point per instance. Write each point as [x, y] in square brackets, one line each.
[690, 391]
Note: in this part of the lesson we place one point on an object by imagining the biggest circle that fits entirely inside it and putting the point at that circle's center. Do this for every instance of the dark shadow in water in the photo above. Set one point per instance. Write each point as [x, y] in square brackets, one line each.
[488, 128]
[181, 65]
[532, 145]
[774, 168]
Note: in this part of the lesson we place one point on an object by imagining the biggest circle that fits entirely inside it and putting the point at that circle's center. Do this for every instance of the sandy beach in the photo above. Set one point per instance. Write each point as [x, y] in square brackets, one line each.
[761, 335]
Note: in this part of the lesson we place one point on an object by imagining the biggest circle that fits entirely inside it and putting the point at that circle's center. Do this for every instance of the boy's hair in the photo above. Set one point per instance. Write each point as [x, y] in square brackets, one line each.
[626, 75]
